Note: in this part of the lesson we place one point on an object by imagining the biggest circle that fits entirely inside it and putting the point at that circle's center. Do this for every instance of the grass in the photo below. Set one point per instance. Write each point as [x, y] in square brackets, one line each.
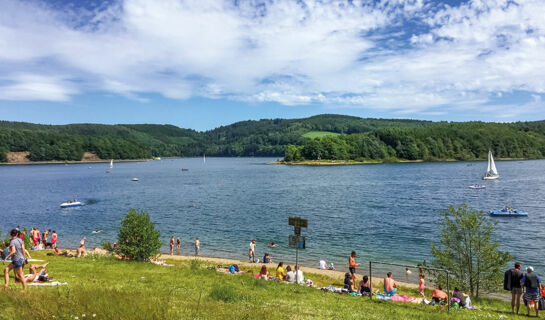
[113, 289]
[319, 134]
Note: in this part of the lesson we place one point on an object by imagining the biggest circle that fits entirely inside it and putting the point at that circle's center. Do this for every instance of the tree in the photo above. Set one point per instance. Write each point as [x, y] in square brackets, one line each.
[138, 239]
[468, 251]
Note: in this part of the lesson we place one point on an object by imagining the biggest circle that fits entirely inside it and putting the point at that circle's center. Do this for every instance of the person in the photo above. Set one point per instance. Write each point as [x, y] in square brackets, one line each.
[171, 245]
[266, 258]
[422, 285]
[532, 286]
[81, 250]
[512, 280]
[280, 274]
[264, 273]
[271, 245]
[178, 245]
[408, 272]
[390, 286]
[45, 237]
[58, 252]
[251, 251]
[323, 264]
[331, 266]
[348, 284]
[365, 286]
[438, 295]
[34, 274]
[290, 275]
[54, 239]
[352, 263]
[17, 252]
[465, 302]
[197, 246]
[300, 278]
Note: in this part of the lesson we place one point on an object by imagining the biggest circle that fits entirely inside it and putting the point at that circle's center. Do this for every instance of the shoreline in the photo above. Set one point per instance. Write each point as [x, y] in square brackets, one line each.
[22, 163]
[354, 162]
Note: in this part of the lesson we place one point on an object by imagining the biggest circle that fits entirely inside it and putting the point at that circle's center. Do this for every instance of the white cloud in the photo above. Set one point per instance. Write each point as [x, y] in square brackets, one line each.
[360, 54]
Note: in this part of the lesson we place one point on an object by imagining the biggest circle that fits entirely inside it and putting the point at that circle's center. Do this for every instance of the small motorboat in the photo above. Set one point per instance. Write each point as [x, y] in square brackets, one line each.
[70, 204]
[185, 169]
[477, 186]
[508, 212]
[134, 179]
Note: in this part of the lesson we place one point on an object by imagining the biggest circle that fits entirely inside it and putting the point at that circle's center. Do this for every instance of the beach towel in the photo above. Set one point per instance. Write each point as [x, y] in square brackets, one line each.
[54, 283]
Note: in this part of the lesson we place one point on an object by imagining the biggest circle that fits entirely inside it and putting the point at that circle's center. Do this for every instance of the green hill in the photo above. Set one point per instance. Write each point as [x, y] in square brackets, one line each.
[325, 136]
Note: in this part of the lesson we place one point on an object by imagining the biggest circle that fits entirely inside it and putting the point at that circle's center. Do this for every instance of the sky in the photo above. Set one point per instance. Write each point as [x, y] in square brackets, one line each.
[204, 63]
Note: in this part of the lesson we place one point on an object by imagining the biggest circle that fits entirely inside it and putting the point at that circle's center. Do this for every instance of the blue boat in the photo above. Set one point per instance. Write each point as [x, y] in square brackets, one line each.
[508, 212]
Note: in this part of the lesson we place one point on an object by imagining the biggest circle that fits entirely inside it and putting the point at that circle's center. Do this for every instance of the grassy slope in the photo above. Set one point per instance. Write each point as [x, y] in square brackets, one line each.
[319, 134]
[113, 289]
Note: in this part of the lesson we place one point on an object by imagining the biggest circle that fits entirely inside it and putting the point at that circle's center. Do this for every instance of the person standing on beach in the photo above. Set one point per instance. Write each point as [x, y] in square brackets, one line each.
[178, 245]
[422, 285]
[352, 263]
[171, 245]
[17, 252]
[513, 278]
[54, 239]
[251, 251]
[197, 246]
[532, 286]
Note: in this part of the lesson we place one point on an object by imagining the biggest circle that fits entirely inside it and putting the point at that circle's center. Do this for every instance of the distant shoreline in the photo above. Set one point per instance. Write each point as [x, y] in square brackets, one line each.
[354, 162]
[22, 163]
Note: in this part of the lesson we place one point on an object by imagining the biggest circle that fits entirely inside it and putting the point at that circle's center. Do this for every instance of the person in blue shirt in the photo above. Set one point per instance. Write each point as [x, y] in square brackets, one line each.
[532, 285]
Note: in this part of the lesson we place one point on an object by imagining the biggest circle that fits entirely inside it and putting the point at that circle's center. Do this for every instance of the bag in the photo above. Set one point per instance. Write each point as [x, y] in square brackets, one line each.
[541, 305]
[507, 280]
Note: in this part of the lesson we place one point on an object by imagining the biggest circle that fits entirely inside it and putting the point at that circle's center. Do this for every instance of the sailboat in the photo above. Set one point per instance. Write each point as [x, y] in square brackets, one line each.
[204, 158]
[112, 164]
[491, 171]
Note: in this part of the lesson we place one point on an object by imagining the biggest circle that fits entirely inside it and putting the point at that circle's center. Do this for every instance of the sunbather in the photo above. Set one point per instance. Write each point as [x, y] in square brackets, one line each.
[34, 274]
[81, 250]
[390, 286]
[439, 296]
[365, 286]
[264, 273]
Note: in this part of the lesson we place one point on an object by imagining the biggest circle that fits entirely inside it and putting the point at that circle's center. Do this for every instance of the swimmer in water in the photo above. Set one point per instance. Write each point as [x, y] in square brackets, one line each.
[98, 231]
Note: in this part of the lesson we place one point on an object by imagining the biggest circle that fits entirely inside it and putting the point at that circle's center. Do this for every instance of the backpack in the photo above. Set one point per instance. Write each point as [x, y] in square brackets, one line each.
[507, 280]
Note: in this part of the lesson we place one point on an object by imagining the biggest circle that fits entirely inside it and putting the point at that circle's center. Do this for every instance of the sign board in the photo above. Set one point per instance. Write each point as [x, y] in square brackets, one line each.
[297, 242]
[298, 222]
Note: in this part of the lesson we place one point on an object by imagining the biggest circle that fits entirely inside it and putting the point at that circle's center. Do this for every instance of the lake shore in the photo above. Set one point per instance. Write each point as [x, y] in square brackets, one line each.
[354, 162]
[23, 163]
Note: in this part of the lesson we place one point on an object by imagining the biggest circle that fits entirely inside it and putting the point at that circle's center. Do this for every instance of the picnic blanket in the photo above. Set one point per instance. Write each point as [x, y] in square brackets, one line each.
[52, 283]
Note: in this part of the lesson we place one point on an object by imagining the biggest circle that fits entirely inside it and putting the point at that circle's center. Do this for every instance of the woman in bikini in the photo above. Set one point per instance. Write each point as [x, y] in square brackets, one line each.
[422, 285]
[171, 245]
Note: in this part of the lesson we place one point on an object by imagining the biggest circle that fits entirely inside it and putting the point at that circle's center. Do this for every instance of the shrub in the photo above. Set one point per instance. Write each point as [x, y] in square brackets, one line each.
[138, 239]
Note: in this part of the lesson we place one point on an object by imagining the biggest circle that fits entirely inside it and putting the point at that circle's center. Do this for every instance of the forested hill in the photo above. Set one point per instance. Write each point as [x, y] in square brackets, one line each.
[318, 137]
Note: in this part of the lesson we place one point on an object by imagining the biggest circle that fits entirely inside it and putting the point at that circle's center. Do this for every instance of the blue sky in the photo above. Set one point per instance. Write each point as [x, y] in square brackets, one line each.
[203, 63]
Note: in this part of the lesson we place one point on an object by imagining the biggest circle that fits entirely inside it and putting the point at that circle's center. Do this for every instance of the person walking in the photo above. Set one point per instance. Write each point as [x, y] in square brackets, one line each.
[178, 245]
[251, 251]
[532, 286]
[17, 253]
[512, 283]
[171, 245]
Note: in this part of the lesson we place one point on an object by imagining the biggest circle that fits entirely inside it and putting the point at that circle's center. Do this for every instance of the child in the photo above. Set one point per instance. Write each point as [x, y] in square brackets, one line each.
[422, 285]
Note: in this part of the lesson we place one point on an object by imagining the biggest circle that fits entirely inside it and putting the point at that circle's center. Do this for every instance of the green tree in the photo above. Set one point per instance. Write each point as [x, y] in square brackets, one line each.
[138, 239]
[468, 251]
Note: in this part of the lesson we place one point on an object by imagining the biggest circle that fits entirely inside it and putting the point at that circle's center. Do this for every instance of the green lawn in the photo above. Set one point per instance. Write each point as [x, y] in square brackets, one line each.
[319, 134]
[105, 288]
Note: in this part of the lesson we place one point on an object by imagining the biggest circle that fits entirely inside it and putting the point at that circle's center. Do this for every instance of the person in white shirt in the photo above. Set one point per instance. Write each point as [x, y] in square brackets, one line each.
[299, 275]
[290, 275]
[323, 264]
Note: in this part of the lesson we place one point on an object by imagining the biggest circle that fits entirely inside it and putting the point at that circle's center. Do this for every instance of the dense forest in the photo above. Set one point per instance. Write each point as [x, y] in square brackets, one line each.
[358, 139]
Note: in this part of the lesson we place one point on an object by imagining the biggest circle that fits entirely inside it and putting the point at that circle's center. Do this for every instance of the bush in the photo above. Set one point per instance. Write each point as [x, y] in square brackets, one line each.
[138, 239]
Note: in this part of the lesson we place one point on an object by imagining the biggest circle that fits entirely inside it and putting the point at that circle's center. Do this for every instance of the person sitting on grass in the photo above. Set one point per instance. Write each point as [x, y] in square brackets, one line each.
[365, 286]
[264, 273]
[65, 253]
[300, 278]
[438, 295]
[348, 283]
[464, 299]
[280, 274]
[390, 286]
[80, 252]
[290, 275]
[34, 274]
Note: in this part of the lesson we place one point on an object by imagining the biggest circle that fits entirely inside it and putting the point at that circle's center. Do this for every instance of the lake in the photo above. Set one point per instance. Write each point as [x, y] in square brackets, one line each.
[386, 212]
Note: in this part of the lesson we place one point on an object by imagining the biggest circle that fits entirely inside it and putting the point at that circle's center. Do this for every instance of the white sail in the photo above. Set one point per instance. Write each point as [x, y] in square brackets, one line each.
[491, 171]
[491, 165]
[111, 163]
[203, 158]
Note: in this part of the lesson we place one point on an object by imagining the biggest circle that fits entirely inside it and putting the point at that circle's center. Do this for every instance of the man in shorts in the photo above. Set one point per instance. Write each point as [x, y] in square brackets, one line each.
[251, 251]
[17, 254]
[532, 285]
[516, 289]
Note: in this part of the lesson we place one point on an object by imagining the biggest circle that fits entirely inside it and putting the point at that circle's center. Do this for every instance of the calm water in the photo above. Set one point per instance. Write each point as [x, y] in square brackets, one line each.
[385, 212]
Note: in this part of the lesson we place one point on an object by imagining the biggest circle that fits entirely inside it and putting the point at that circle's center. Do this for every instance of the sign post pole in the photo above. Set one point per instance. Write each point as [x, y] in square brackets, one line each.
[297, 240]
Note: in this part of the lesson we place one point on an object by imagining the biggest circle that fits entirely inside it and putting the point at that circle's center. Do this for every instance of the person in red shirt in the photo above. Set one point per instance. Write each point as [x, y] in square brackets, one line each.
[54, 239]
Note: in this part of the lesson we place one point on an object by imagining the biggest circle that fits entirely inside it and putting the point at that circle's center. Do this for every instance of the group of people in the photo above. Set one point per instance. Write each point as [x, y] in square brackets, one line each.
[534, 292]
[178, 243]
[17, 252]
[288, 274]
[39, 240]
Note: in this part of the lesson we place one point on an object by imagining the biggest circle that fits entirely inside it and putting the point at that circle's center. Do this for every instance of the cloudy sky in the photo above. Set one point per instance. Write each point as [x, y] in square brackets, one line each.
[204, 63]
